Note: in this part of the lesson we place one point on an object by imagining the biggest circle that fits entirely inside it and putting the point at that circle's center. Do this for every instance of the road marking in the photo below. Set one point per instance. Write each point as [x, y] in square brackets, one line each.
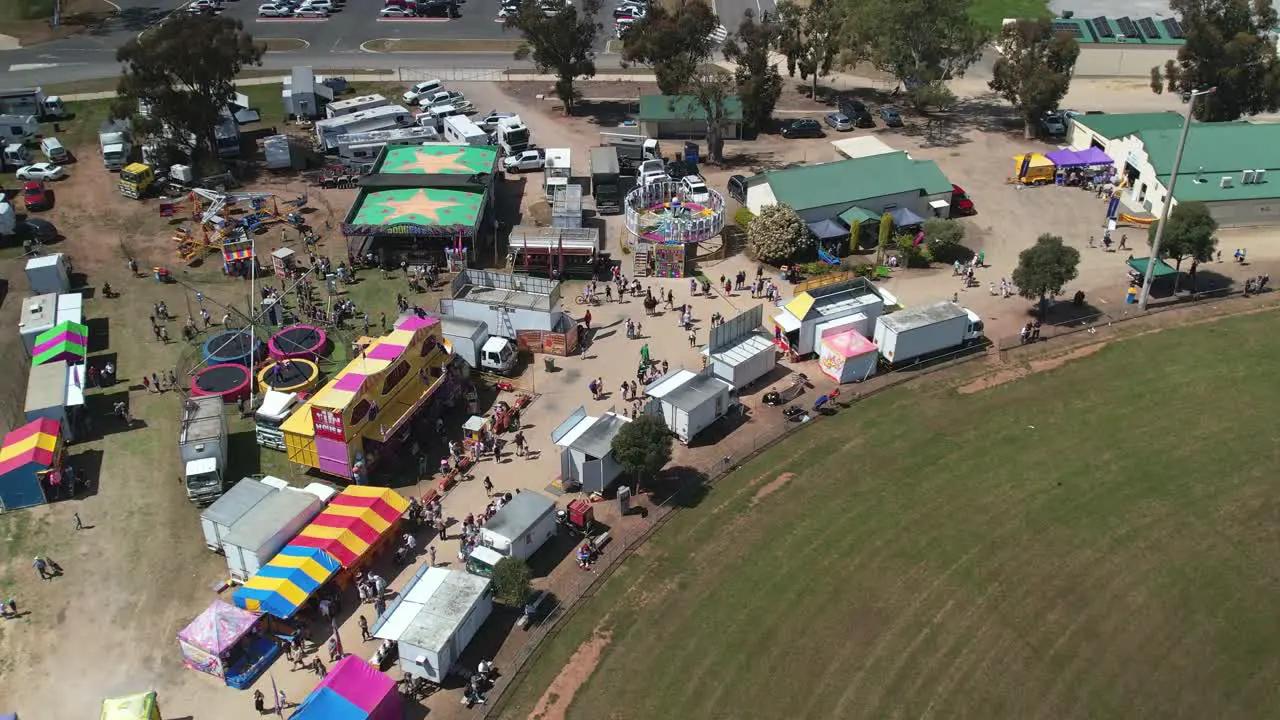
[32, 66]
[277, 20]
[117, 7]
[416, 20]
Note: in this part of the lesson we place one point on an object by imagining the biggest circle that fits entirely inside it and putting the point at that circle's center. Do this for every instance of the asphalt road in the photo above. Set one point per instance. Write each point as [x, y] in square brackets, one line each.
[730, 11]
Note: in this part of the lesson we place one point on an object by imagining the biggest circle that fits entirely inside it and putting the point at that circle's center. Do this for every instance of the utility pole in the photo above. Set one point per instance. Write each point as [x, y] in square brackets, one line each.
[1168, 198]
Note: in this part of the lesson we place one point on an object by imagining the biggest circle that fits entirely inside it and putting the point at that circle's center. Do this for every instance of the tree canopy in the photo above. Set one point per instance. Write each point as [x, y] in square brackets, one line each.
[757, 78]
[183, 72]
[643, 446]
[919, 42]
[1228, 46]
[1188, 234]
[777, 234]
[675, 43]
[512, 581]
[1045, 268]
[809, 38]
[563, 43]
[1034, 69]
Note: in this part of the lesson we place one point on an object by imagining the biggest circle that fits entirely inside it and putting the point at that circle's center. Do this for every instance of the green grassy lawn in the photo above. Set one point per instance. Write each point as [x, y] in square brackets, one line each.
[990, 13]
[1092, 541]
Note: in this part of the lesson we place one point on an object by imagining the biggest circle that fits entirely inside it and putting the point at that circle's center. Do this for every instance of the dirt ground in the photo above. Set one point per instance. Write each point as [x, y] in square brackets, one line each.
[77, 16]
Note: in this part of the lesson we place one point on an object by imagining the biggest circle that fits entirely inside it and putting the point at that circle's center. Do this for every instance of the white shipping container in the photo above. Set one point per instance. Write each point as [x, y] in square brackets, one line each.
[260, 533]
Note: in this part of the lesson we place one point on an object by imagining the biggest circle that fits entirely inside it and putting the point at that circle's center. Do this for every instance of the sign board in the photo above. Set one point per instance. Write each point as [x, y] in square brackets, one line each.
[328, 424]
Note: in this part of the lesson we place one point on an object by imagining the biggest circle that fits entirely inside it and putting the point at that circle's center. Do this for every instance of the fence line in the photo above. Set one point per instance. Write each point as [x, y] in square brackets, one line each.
[554, 621]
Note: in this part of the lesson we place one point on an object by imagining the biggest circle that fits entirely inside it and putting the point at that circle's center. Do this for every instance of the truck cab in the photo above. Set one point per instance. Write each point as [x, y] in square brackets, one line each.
[276, 407]
[136, 180]
[974, 332]
[498, 355]
[204, 480]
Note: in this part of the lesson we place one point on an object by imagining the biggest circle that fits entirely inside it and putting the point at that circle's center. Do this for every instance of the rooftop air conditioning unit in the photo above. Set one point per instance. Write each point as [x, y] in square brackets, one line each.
[1259, 175]
[1225, 182]
[1247, 177]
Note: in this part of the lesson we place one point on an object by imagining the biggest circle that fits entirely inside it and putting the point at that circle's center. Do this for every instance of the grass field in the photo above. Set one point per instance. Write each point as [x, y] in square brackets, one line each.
[990, 13]
[1096, 540]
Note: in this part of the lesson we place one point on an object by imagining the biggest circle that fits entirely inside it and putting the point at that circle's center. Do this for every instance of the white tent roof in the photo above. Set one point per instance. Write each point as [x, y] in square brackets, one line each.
[431, 608]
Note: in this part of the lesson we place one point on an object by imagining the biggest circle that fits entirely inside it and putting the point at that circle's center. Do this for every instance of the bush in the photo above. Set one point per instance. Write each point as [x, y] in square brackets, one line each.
[777, 234]
[512, 581]
[743, 217]
[945, 240]
[913, 256]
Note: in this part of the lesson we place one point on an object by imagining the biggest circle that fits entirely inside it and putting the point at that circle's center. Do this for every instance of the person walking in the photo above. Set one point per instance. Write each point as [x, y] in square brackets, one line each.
[259, 702]
[488, 486]
[431, 555]
[42, 567]
[282, 702]
[365, 635]
[520, 448]
[693, 338]
[76, 517]
[586, 320]
[11, 607]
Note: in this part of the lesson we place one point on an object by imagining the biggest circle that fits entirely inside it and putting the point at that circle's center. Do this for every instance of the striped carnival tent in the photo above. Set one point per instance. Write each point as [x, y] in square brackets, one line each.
[65, 341]
[285, 584]
[356, 521]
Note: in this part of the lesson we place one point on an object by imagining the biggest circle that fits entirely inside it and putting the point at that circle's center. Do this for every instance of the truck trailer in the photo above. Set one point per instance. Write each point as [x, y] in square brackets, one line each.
[632, 149]
[911, 334]
[31, 101]
[606, 180]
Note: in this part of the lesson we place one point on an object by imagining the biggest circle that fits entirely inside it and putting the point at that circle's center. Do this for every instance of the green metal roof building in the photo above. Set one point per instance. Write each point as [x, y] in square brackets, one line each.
[425, 202]
[855, 190]
[1232, 167]
[680, 116]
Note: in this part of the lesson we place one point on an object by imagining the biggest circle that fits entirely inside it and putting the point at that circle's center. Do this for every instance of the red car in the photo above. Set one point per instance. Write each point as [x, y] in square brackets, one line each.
[36, 197]
[961, 205]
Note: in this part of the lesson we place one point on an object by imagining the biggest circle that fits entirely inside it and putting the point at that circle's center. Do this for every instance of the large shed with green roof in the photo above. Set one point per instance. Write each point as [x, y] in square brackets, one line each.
[1232, 167]
[857, 190]
[680, 116]
[425, 202]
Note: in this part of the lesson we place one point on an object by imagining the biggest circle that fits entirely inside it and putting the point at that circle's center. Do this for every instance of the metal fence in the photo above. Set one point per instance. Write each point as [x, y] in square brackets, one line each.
[734, 449]
[452, 74]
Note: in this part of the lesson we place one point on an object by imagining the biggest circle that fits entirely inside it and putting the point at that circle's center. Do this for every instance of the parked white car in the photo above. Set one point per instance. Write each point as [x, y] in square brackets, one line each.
[526, 161]
[326, 5]
[423, 88]
[396, 12]
[274, 10]
[489, 122]
[41, 171]
[439, 97]
[695, 189]
[311, 12]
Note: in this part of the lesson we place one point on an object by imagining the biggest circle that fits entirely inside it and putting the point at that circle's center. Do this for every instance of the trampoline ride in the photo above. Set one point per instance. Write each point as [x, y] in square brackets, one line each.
[288, 376]
[230, 381]
[298, 341]
[238, 347]
[666, 222]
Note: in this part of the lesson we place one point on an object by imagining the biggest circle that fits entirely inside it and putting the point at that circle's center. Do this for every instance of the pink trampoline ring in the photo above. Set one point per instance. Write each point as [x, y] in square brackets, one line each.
[230, 381]
[302, 342]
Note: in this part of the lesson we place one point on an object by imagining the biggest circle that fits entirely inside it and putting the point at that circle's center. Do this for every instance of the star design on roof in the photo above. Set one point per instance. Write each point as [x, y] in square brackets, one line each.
[417, 204]
[436, 163]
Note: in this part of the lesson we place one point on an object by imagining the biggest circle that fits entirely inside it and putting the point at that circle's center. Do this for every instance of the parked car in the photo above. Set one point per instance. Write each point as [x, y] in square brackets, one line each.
[737, 188]
[310, 12]
[41, 171]
[425, 87]
[891, 117]
[961, 205]
[802, 129]
[396, 12]
[275, 10]
[630, 10]
[443, 97]
[838, 121]
[856, 111]
[326, 5]
[677, 169]
[438, 8]
[695, 189]
[35, 229]
[525, 161]
[1053, 125]
[489, 122]
[36, 196]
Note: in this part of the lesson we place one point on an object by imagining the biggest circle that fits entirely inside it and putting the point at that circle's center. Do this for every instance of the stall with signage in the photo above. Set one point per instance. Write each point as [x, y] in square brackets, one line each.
[222, 642]
[356, 419]
[358, 523]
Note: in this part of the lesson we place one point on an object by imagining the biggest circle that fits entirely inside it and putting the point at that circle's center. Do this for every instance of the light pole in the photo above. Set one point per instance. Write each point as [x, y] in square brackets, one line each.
[1168, 198]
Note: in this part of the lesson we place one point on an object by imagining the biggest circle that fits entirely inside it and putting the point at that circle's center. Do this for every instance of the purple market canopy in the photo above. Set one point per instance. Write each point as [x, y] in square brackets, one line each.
[218, 628]
[64, 341]
[1079, 158]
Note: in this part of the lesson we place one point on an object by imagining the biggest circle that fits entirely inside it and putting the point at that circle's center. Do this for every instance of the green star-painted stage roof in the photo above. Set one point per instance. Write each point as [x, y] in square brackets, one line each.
[429, 190]
[437, 160]
[428, 207]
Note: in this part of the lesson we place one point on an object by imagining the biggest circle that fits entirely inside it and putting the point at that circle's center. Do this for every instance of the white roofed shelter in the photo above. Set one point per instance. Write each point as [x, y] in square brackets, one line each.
[586, 449]
[434, 618]
[689, 402]
[522, 525]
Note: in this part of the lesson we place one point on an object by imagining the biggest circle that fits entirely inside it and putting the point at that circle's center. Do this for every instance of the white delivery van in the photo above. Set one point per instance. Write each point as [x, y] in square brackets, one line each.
[54, 151]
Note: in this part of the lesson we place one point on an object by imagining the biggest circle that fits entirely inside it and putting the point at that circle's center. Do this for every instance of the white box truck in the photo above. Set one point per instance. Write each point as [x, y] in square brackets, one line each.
[460, 130]
[202, 445]
[913, 333]
[31, 101]
[217, 519]
[115, 144]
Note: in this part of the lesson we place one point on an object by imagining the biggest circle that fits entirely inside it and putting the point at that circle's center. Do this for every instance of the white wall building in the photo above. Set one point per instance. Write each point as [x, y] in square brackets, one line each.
[434, 618]
[586, 449]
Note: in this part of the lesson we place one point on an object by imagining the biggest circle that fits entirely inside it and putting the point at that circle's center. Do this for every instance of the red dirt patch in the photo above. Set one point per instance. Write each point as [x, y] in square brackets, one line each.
[1008, 375]
[559, 694]
[773, 486]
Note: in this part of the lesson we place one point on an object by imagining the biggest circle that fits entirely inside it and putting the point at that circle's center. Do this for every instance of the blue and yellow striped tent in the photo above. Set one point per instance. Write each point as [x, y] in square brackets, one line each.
[285, 583]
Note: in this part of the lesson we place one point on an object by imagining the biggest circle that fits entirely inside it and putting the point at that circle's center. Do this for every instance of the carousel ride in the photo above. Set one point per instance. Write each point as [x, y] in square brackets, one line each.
[666, 225]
